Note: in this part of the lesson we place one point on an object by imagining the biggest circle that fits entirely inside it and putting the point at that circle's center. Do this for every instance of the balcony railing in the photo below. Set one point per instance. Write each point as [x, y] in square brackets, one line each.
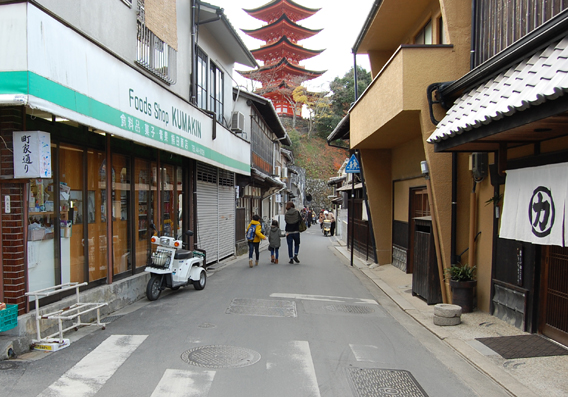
[156, 56]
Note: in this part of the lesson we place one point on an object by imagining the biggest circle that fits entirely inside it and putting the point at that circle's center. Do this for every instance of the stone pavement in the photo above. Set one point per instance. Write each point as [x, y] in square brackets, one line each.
[540, 376]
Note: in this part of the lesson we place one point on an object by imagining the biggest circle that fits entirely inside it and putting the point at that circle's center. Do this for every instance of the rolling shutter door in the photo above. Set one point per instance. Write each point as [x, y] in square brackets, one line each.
[226, 213]
[215, 212]
[207, 210]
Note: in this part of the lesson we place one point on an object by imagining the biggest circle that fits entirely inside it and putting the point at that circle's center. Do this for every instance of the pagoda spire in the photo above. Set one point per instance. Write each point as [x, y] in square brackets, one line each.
[281, 54]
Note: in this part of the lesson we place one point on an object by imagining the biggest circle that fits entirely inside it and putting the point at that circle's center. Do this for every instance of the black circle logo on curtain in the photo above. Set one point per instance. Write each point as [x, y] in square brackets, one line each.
[541, 212]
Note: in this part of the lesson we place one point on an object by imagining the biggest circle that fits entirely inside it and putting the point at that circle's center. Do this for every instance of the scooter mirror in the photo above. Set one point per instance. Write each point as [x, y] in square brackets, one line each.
[189, 233]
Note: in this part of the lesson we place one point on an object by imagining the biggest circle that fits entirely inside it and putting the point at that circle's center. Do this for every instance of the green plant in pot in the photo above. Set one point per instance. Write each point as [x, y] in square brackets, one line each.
[463, 282]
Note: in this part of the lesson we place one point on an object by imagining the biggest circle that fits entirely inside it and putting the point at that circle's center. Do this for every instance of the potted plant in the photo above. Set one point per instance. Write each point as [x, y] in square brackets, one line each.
[462, 282]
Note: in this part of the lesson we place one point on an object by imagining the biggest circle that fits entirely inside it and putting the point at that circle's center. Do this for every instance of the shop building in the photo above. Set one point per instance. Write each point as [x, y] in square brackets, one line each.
[138, 127]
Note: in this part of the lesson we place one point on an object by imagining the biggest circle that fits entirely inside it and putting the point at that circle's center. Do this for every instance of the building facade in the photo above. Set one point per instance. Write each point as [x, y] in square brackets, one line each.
[135, 112]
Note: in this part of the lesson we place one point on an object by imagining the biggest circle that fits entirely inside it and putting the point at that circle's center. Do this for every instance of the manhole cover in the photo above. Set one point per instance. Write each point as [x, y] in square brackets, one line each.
[372, 382]
[350, 309]
[206, 325]
[4, 366]
[219, 356]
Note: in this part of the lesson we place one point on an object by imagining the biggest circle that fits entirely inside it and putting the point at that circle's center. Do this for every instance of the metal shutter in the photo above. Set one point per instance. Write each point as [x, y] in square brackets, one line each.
[207, 210]
[215, 212]
[226, 213]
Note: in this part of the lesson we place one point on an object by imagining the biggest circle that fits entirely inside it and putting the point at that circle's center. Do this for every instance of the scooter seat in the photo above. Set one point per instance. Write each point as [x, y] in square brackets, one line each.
[183, 254]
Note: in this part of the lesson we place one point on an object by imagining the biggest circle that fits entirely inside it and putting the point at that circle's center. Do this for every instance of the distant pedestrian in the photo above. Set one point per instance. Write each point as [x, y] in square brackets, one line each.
[309, 218]
[331, 217]
[254, 235]
[274, 241]
[292, 218]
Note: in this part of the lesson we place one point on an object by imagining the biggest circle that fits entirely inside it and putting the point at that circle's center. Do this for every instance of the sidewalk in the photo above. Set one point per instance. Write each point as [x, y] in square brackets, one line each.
[541, 376]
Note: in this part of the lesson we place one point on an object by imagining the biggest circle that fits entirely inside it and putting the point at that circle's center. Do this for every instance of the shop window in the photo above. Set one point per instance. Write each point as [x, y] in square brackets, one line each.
[97, 215]
[42, 228]
[71, 204]
[143, 210]
[121, 239]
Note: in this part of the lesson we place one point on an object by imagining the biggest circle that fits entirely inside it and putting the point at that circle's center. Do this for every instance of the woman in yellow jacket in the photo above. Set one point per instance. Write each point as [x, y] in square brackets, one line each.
[254, 243]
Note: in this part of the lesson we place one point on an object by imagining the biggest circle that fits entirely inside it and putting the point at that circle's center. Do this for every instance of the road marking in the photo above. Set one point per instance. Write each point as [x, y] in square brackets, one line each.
[180, 383]
[291, 370]
[90, 374]
[364, 352]
[323, 298]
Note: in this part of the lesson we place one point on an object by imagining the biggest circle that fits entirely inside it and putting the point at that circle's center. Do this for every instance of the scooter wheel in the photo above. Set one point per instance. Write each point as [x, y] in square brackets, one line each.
[200, 284]
[153, 290]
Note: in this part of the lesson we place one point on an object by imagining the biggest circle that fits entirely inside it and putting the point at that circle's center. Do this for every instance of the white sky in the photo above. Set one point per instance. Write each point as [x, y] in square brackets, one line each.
[341, 22]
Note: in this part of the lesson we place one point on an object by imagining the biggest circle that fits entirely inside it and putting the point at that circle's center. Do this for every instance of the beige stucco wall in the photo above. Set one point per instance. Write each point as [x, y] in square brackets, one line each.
[402, 197]
[377, 169]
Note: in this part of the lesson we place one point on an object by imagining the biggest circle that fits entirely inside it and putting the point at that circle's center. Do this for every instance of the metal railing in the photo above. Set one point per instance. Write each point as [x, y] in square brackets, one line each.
[156, 56]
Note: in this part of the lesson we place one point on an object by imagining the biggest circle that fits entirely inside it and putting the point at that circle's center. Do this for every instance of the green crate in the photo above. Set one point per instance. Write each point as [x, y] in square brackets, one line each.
[8, 317]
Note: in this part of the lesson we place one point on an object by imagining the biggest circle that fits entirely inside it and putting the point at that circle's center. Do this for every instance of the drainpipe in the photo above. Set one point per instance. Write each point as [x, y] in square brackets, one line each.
[473, 34]
[472, 225]
[454, 207]
[355, 75]
[193, 82]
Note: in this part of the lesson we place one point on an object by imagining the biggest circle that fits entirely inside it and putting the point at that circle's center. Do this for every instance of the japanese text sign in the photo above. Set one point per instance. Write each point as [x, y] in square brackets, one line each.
[32, 154]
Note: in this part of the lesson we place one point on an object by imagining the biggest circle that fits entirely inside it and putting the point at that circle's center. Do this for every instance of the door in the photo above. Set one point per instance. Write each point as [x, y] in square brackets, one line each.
[554, 294]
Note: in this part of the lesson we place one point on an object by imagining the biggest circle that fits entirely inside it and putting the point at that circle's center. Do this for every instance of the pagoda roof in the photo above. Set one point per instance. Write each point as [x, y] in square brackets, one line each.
[281, 71]
[274, 9]
[284, 48]
[283, 26]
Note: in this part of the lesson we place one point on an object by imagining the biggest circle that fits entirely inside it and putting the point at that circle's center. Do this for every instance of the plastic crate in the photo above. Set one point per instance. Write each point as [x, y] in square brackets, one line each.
[8, 317]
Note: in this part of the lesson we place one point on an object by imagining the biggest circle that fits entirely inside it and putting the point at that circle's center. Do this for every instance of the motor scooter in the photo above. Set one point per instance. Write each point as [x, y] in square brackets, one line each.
[326, 227]
[174, 267]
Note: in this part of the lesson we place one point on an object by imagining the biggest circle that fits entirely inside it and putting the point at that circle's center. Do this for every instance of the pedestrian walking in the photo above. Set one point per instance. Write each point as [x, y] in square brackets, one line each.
[309, 218]
[254, 235]
[331, 217]
[274, 241]
[292, 218]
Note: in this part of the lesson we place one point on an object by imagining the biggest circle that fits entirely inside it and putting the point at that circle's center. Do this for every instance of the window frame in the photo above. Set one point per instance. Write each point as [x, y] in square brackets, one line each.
[216, 91]
[202, 92]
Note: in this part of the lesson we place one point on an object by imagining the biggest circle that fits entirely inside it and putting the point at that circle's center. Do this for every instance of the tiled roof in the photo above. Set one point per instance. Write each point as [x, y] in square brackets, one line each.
[537, 79]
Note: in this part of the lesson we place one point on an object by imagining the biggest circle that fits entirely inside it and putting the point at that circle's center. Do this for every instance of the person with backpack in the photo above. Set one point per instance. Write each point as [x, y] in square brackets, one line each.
[292, 218]
[274, 241]
[253, 236]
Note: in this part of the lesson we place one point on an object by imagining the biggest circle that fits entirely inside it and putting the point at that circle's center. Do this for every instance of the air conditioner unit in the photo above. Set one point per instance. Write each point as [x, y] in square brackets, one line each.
[284, 173]
[277, 171]
[237, 122]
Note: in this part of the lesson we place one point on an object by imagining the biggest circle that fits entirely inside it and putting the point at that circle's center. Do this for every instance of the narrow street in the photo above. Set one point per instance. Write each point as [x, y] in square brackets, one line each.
[318, 328]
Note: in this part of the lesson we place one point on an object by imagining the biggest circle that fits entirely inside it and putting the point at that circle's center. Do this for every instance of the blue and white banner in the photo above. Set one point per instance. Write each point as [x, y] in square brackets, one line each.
[534, 205]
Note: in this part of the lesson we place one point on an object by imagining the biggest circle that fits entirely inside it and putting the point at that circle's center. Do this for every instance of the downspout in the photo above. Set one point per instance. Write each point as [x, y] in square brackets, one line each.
[193, 82]
[473, 34]
[356, 83]
[454, 207]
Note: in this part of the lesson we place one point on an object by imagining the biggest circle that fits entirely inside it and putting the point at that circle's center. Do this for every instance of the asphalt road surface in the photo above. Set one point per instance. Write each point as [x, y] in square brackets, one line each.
[317, 328]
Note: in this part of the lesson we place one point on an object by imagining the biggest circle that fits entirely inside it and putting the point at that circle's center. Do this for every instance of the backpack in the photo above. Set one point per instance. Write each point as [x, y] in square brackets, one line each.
[251, 232]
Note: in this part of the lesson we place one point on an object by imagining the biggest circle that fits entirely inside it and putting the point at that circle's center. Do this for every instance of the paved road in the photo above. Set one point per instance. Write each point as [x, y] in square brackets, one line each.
[318, 328]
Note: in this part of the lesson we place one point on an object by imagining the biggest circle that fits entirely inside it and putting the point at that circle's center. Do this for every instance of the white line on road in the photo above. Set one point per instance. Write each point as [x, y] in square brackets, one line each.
[178, 383]
[291, 370]
[91, 373]
[323, 298]
[364, 352]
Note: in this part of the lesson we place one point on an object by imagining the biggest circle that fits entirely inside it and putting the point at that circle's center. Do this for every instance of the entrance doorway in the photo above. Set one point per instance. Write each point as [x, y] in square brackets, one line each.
[554, 294]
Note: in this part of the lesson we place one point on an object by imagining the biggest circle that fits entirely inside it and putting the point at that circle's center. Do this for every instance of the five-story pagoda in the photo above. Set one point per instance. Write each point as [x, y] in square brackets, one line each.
[281, 54]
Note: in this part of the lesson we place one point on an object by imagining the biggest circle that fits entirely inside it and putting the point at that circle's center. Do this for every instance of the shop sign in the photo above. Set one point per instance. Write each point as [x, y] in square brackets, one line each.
[32, 154]
[534, 205]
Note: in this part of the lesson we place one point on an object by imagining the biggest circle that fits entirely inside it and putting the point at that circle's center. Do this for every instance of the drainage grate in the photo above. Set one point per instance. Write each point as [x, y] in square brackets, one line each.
[110, 319]
[220, 356]
[263, 307]
[375, 382]
[350, 309]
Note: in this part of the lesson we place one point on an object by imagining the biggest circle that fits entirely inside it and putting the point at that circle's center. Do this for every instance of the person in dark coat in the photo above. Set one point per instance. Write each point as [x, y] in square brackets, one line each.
[292, 218]
[274, 241]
